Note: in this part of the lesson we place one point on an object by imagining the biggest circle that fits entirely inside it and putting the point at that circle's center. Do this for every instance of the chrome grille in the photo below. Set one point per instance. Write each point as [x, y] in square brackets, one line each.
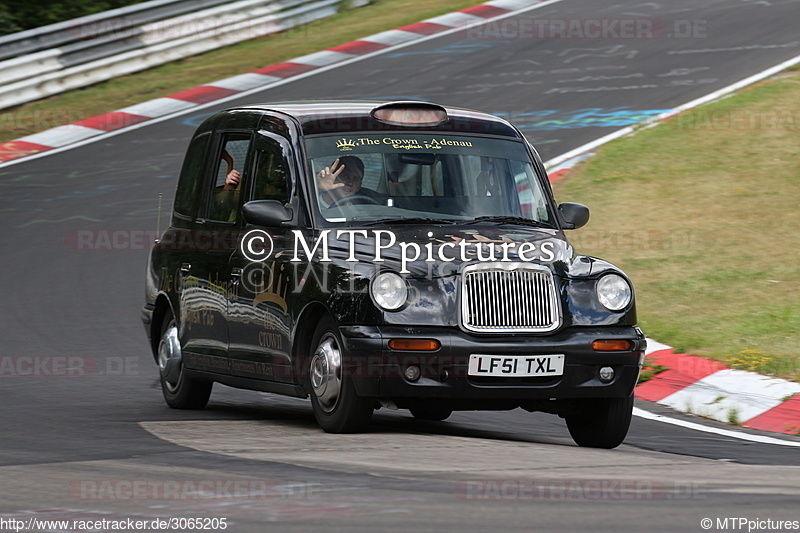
[510, 297]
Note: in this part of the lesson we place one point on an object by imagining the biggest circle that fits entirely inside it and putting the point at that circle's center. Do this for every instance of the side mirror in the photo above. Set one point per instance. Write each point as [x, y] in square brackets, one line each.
[573, 216]
[267, 213]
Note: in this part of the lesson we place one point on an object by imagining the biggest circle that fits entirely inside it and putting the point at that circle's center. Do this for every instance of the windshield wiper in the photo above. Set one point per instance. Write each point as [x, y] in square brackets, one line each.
[409, 220]
[508, 218]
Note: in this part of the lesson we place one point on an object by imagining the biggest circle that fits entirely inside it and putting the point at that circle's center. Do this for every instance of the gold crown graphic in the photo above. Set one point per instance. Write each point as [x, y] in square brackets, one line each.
[345, 144]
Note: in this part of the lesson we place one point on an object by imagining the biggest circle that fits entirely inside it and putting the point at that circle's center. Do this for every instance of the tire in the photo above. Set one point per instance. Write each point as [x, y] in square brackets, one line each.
[180, 391]
[336, 405]
[603, 423]
[431, 411]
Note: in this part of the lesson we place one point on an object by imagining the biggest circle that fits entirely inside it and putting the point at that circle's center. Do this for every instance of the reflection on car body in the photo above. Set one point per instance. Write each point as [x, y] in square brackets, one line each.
[449, 285]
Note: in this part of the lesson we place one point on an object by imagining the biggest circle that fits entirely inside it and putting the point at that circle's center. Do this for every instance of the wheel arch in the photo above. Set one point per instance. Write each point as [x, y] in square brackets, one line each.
[301, 339]
[162, 307]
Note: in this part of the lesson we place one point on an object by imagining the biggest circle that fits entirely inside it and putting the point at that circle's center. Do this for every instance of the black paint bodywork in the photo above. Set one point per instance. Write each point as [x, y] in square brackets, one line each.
[250, 325]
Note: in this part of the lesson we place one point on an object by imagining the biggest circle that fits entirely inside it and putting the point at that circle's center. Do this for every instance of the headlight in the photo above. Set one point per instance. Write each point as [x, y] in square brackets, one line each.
[613, 292]
[389, 290]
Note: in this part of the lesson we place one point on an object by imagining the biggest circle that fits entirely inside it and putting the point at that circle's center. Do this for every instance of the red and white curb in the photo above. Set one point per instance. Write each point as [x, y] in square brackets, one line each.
[708, 388]
[82, 130]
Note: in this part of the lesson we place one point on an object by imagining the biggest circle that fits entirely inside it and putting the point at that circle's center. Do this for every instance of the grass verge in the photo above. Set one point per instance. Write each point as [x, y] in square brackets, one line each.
[229, 61]
[703, 213]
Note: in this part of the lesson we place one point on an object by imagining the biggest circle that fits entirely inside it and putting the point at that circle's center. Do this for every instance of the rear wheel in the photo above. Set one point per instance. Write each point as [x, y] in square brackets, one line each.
[336, 405]
[180, 391]
[602, 423]
[435, 412]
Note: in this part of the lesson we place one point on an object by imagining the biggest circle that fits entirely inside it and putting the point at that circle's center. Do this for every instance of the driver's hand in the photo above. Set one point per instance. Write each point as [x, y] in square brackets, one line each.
[326, 178]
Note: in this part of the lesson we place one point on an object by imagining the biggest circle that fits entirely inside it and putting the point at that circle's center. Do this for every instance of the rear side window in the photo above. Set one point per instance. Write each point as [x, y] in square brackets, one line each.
[191, 176]
[229, 175]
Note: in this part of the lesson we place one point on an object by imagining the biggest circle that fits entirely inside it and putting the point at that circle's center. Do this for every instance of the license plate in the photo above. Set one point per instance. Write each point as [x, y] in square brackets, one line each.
[516, 366]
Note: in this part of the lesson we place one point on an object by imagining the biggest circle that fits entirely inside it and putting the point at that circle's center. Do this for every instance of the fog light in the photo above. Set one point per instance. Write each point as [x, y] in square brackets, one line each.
[606, 374]
[412, 373]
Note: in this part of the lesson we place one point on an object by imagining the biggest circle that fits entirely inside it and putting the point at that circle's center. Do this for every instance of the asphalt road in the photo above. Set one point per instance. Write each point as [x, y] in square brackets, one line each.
[73, 445]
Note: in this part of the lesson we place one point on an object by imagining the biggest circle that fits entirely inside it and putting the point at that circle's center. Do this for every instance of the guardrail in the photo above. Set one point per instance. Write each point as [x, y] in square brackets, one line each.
[88, 50]
[50, 36]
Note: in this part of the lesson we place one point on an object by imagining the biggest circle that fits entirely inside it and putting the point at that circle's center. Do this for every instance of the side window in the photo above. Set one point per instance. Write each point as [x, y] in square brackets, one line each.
[532, 203]
[191, 175]
[273, 180]
[229, 175]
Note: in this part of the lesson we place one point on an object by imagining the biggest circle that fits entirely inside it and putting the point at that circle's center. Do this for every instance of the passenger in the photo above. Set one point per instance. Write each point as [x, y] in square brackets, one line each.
[226, 199]
[233, 177]
[343, 179]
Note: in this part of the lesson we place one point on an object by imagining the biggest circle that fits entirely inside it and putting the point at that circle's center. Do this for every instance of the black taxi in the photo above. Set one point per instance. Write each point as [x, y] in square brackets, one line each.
[402, 255]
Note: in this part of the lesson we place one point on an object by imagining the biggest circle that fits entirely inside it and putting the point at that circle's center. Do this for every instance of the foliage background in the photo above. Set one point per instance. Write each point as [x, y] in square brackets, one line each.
[19, 15]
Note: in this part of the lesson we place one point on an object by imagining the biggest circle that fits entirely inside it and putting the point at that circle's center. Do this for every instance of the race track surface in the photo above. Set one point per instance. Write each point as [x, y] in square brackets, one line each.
[76, 304]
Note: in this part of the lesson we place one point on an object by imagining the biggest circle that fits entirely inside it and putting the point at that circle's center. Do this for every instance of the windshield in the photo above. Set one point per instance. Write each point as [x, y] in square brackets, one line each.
[406, 176]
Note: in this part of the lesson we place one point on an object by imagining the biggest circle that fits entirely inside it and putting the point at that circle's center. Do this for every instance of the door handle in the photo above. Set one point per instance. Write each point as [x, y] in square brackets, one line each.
[186, 267]
[236, 272]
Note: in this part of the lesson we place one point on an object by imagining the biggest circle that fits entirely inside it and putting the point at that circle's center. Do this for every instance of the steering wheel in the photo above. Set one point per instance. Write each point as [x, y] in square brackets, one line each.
[355, 199]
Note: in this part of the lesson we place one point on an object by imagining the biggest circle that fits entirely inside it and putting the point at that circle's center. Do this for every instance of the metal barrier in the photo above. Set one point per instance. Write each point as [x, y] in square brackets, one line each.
[53, 35]
[88, 50]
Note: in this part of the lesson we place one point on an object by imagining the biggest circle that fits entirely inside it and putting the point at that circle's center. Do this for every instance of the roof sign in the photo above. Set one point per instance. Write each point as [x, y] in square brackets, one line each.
[410, 114]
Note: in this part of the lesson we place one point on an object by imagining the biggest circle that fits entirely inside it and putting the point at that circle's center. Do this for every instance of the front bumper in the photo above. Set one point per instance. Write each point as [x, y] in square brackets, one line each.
[378, 371]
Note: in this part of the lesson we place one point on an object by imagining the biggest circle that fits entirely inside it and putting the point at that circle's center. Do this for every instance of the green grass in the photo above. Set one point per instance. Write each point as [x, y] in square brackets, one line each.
[703, 212]
[650, 370]
[229, 61]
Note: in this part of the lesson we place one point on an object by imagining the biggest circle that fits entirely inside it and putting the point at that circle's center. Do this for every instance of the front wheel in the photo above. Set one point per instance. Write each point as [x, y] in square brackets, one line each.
[180, 391]
[336, 405]
[602, 422]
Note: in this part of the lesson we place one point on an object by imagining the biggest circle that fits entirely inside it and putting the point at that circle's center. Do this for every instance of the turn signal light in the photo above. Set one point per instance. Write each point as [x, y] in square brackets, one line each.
[612, 345]
[415, 345]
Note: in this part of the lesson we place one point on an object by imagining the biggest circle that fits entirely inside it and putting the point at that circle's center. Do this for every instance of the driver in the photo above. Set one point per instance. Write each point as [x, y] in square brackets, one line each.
[343, 179]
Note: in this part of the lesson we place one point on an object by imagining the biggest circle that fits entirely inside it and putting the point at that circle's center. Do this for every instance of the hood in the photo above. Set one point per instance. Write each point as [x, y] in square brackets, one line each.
[442, 250]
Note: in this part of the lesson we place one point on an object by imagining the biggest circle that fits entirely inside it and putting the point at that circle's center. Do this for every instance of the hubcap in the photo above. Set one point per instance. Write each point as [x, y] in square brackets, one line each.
[169, 357]
[326, 373]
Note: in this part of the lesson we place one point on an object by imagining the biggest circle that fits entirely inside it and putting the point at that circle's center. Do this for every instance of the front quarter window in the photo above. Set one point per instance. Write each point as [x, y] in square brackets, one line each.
[272, 177]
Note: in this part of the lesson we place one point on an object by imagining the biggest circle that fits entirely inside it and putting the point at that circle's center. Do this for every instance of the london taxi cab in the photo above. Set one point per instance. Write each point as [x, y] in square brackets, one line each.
[386, 254]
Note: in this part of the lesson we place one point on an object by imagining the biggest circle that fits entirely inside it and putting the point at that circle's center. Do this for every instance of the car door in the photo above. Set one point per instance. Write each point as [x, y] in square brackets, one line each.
[206, 281]
[259, 314]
